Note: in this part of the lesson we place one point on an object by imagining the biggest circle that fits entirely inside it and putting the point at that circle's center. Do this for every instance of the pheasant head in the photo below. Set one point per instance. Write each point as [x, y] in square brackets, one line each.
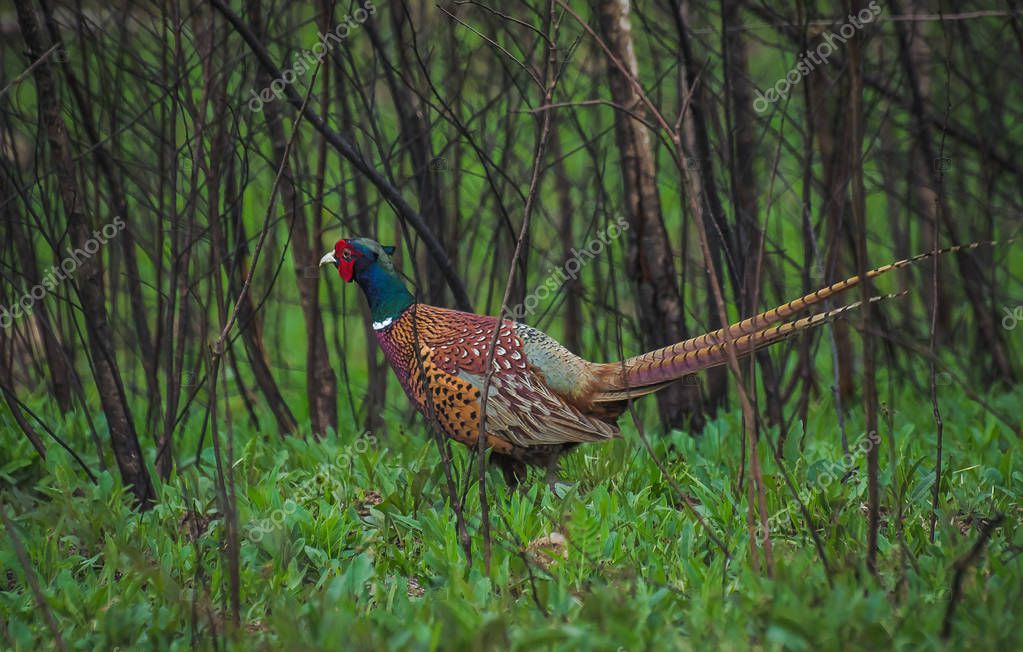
[368, 263]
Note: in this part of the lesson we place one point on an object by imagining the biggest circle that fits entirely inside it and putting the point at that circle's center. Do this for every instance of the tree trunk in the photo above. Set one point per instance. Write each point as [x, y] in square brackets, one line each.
[650, 263]
[123, 437]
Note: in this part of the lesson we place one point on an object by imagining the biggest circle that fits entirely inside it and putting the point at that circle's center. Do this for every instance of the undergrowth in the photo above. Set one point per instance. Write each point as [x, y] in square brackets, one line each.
[349, 543]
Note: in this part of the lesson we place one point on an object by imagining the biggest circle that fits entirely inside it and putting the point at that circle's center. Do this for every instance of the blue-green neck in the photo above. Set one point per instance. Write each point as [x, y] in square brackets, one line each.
[387, 295]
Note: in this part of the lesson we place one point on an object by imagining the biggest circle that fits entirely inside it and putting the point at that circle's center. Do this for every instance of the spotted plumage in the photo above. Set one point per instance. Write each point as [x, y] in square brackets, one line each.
[439, 356]
[542, 398]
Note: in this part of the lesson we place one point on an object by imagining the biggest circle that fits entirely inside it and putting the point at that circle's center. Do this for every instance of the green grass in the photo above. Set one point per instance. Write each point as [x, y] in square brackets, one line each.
[349, 545]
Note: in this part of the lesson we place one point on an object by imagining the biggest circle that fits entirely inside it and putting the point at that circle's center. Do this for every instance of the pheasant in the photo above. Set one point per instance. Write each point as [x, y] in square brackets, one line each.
[543, 399]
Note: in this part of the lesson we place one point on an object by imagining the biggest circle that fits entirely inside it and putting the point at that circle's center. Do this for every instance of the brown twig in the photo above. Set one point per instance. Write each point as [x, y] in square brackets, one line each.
[544, 128]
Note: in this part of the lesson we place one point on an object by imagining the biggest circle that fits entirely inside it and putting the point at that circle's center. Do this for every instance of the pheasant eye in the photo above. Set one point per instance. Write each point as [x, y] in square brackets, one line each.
[346, 254]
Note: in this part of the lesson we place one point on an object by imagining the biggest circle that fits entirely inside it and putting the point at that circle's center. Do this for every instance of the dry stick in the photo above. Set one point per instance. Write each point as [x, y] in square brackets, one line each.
[858, 202]
[750, 421]
[749, 418]
[986, 530]
[30, 577]
[777, 449]
[681, 161]
[686, 498]
[219, 345]
[401, 207]
[900, 489]
[224, 479]
[520, 550]
[436, 430]
[939, 424]
[174, 305]
[811, 257]
[495, 44]
[234, 549]
[199, 578]
[811, 240]
[28, 71]
[551, 83]
[598, 102]
[217, 353]
[510, 19]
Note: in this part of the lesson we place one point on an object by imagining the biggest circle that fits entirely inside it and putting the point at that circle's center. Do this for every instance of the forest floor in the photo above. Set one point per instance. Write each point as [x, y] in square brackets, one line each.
[349, 543]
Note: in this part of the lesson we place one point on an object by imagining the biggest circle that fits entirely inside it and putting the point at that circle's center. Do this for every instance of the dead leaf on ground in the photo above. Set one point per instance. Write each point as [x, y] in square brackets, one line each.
[548, 549]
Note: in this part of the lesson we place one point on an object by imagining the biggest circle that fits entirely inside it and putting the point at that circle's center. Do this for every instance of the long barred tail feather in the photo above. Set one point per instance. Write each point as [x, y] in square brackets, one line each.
[646, 374]
[784, 311]
[651, 371]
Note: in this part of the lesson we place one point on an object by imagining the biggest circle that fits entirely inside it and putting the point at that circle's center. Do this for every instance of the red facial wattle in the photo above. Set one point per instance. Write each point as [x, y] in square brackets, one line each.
[345, 255]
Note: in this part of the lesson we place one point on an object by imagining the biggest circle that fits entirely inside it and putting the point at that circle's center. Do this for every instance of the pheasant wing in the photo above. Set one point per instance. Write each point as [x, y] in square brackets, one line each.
[522, 411]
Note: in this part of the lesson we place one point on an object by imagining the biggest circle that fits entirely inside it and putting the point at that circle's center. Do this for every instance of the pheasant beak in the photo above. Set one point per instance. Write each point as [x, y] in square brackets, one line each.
[328, 258]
